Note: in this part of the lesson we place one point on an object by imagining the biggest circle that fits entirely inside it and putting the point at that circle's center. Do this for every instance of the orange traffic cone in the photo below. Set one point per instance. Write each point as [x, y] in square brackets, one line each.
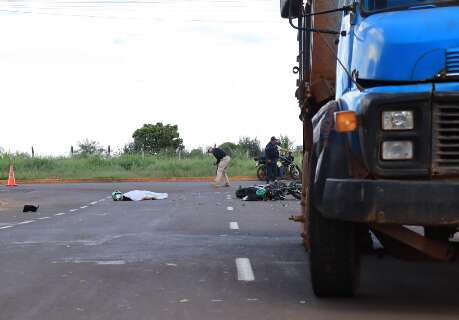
[11, 179]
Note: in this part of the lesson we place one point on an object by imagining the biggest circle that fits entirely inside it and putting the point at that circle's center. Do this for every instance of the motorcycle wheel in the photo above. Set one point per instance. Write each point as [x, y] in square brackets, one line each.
[261, 173]
[295, 172]
[296, 195]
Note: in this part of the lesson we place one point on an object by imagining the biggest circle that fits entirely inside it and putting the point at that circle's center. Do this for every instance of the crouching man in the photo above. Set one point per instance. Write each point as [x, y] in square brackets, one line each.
[222, 163]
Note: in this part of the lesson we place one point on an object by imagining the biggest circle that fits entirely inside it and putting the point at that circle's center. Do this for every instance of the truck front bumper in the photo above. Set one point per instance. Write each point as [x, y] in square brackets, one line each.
[427, 203]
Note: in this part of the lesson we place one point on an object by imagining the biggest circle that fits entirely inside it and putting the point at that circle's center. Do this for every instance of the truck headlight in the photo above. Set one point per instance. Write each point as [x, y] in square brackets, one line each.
[397, 150]
[397, 120]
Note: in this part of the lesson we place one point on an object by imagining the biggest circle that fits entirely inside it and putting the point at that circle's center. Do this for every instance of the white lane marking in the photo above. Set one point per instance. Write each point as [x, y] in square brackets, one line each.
[73, 210]
[171, 264]
[107, 197]
[234, 226]
[44, 218]
[60, 214]
[93, 203]
[244, 270]
[6, 227]
[230, 208]
[83, 207]
[252, 299]
[111, 262]
[26, 222]
[101, 200]
[217, 300]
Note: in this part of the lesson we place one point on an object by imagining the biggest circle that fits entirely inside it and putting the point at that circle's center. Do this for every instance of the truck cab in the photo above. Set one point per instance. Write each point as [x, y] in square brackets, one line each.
[382, 148]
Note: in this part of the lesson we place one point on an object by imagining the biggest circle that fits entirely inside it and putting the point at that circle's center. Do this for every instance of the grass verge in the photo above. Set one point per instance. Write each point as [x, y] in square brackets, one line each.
[120, 167]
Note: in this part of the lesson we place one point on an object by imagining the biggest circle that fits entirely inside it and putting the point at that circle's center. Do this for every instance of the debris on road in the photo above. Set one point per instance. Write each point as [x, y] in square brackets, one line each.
[138, 195]
[272, 191]
[30, 208]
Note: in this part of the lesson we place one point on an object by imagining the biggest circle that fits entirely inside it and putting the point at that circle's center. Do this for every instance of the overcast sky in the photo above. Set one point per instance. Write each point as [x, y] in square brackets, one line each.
[99, 69]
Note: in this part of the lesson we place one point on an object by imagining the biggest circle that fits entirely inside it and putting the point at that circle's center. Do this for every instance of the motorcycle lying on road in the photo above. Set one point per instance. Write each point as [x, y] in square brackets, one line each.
[287, 168]
[273, 191]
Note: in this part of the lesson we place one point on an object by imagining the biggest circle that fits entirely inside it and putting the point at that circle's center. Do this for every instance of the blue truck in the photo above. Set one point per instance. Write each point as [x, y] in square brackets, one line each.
[378, 90]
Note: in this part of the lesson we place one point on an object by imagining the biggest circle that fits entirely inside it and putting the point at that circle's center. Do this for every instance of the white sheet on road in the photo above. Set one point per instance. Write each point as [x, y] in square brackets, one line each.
[138, 195]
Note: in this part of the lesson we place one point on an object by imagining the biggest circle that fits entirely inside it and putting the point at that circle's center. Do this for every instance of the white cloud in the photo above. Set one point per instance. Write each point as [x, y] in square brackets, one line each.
[65, 78]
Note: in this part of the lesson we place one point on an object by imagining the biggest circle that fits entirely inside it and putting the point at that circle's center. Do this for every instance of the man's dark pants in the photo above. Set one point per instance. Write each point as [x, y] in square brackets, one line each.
[271, 170]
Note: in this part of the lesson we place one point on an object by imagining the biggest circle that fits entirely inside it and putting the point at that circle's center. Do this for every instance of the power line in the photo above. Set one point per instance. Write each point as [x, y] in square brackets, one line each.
[134, 18]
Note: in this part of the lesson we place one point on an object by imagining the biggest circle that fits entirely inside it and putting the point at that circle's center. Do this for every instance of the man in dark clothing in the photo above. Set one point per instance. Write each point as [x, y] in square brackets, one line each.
[222, 164]
[272, 155]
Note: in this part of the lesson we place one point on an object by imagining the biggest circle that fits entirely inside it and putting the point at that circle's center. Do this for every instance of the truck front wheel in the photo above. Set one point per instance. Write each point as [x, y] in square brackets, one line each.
[439, 233]
[334, 255]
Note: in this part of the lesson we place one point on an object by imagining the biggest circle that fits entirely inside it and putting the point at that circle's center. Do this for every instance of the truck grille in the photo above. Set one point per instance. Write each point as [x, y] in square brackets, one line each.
[445, 134]
[452, 61]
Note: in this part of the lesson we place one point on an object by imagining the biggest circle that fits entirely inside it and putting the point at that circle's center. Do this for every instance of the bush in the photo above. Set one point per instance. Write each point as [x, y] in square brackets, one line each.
[196, 153]
[229, 147]
[249, 146]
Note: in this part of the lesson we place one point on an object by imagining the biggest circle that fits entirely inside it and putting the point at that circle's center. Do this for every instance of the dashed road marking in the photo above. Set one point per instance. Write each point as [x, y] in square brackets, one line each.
[244, 270]
[234, 226]
[111, 262]
[57, 214]
[26, 222]
[230, 208]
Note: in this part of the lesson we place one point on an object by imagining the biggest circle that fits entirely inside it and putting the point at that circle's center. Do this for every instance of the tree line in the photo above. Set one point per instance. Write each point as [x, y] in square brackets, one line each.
[161, 138]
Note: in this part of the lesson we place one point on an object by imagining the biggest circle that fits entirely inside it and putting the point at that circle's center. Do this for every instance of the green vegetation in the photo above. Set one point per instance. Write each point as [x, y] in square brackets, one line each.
[124, 166]
[156, 152]
[155, 138]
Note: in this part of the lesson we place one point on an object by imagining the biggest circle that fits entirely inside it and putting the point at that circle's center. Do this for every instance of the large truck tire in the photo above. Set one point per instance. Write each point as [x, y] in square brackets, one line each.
[334, 254]
[439, 233]
[334, 257]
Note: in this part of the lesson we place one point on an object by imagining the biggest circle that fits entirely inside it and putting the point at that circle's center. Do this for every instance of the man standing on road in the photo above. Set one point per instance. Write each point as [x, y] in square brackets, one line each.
[272, 155]
[222, 164]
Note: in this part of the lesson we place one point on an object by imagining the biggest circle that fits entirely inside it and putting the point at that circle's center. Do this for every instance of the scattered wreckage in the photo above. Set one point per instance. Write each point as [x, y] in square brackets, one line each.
[273, 191]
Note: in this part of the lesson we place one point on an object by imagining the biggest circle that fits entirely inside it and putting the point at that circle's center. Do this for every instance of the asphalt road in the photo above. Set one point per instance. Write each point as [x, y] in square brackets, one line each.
[83, 256]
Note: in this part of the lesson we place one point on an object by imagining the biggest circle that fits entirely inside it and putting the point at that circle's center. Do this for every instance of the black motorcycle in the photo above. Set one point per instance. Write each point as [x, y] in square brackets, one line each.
[273, 191]
[286, 167]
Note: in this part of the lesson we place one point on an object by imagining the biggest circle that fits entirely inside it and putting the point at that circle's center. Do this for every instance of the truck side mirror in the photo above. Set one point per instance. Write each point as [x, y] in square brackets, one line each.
[290, 8]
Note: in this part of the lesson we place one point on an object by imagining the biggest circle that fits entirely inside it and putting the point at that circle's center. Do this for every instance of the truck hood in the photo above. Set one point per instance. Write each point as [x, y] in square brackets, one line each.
[409, 45]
